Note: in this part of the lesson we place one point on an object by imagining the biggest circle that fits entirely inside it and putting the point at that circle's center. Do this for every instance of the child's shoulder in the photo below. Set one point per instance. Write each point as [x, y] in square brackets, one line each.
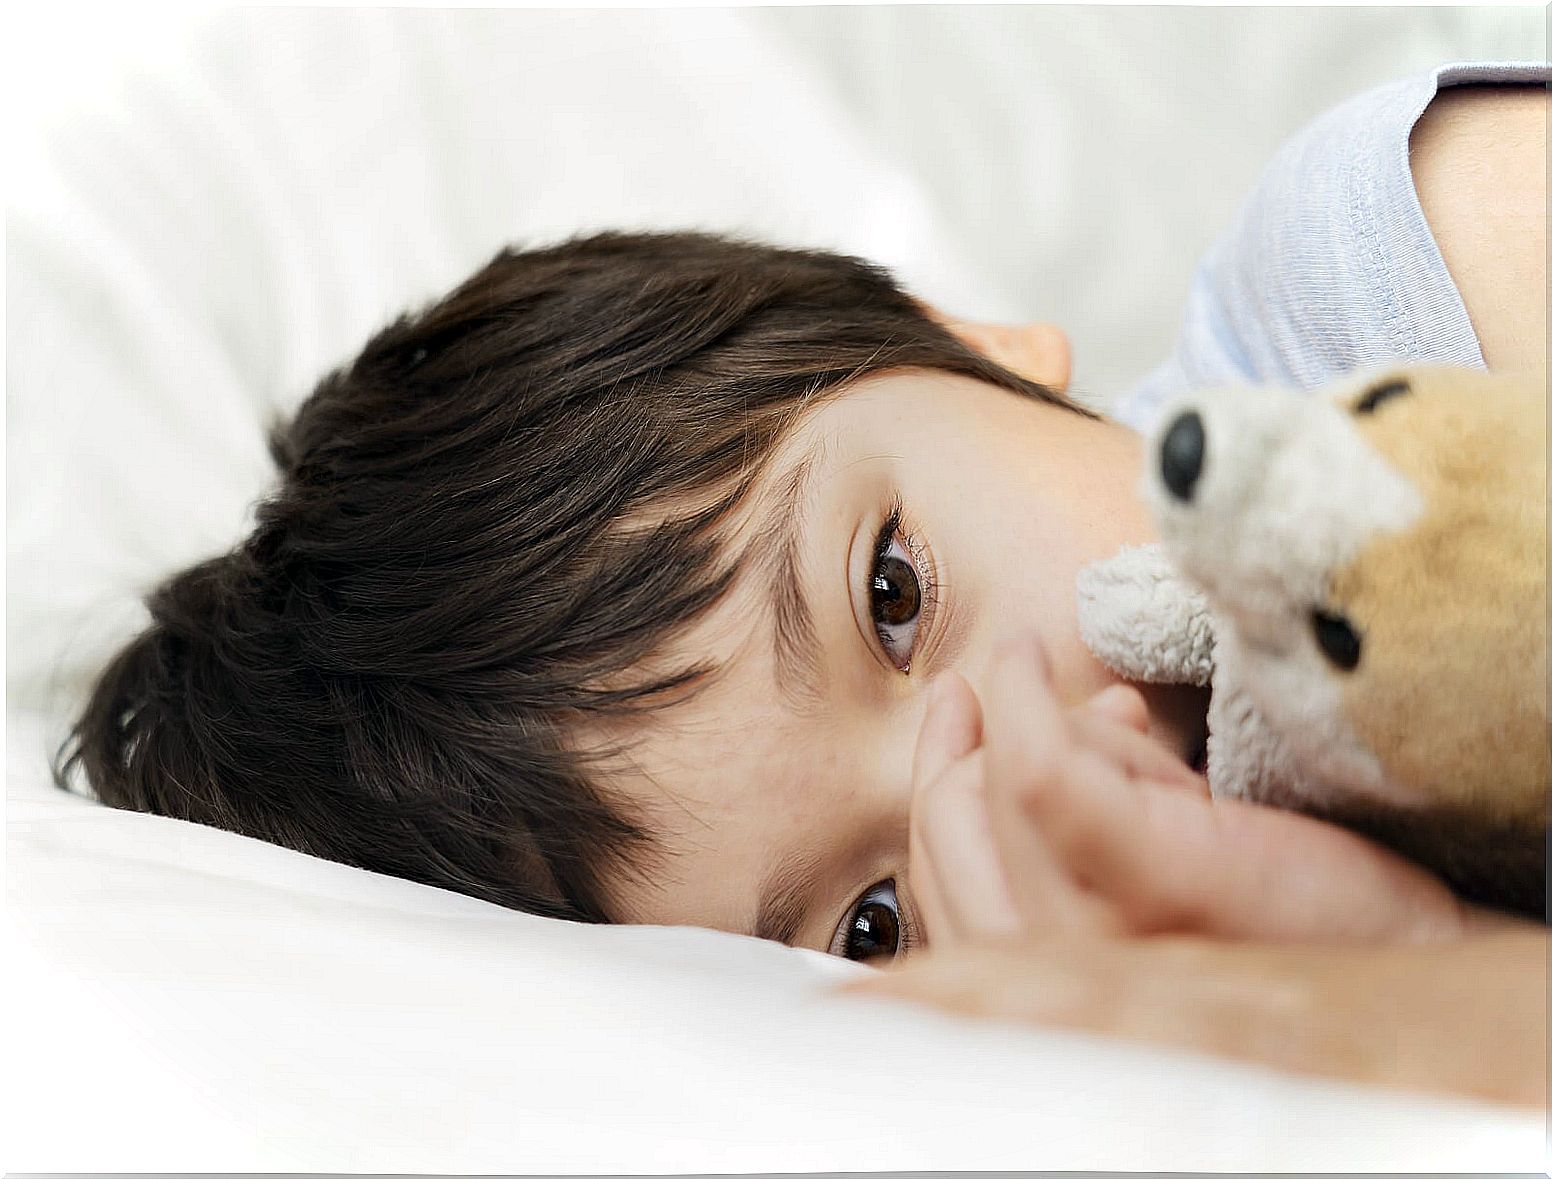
[1330, 263]
[1479, 163]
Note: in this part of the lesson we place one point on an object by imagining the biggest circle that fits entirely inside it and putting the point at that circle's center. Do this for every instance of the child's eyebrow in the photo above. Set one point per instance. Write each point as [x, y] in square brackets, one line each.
[799, 666]
[786, 895]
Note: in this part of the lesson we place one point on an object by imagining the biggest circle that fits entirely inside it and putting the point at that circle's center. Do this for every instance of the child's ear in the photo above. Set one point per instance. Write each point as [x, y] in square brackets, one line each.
[1038, 352]
[1048, 354]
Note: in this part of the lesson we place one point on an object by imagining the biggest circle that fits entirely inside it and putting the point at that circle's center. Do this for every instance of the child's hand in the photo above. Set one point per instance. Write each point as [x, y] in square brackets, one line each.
[1030, 820]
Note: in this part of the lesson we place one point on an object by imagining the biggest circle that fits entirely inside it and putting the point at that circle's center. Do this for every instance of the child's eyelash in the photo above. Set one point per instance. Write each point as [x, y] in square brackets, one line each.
[910, 932]
[887, 530]
[893, 526]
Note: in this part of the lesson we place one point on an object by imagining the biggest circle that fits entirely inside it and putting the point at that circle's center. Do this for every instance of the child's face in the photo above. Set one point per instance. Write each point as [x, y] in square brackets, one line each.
[801, 762]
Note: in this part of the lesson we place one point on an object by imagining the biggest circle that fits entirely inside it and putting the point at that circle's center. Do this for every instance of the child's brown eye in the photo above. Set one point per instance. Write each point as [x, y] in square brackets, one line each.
[895, 599]
[873, 929]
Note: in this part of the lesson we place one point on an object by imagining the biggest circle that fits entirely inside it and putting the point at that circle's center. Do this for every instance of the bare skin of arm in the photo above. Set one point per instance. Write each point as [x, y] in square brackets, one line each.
[1466, 1019]
[1479, 163]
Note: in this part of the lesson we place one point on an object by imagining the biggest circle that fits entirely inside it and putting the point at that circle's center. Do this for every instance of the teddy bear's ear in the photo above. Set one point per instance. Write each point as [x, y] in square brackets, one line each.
[1143, 620]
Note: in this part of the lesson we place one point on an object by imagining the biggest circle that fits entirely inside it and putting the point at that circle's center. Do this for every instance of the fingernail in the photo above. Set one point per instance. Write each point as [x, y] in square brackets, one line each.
[1111, 701]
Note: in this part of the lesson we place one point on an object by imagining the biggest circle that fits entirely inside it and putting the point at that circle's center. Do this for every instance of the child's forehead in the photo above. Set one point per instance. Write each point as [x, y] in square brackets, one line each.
[841, 422]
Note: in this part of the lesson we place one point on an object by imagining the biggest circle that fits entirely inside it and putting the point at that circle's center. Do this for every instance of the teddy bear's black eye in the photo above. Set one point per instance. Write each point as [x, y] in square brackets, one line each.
[1337, 639]
[1380, 394]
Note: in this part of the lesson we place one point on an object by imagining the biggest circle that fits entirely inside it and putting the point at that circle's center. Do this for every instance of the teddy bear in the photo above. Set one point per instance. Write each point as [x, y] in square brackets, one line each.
[1359, 576]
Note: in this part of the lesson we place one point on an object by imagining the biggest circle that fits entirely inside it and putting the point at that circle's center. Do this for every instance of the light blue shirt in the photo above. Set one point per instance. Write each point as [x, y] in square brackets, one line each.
[1329, 265]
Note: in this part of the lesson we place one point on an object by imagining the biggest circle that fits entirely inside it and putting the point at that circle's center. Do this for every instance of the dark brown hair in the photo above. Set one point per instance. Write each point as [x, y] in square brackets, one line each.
[480, 530]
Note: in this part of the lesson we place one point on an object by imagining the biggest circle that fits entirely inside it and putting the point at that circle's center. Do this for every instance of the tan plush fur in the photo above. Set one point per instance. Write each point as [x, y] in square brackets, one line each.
[1453, 612]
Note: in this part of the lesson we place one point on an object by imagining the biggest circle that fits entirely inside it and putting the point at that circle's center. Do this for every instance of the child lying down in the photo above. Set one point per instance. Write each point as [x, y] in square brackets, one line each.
[676, 579]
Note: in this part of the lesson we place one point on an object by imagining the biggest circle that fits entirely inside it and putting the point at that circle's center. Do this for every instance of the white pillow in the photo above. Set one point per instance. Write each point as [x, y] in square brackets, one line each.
[189, 255]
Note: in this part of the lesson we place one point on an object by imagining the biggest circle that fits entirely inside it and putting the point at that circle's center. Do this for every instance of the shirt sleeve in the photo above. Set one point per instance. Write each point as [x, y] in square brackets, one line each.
[1329, 266]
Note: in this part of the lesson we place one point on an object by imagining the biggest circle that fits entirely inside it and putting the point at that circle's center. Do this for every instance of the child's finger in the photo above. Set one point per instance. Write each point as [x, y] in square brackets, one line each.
[954, 860]
[1123, 704]
[1091, 818]
[1122, 707]
[934, 921]
[1238, 870]
[1151, 854]
[950, 729]
[1029, 756]
[1138, 756]
[954, 876]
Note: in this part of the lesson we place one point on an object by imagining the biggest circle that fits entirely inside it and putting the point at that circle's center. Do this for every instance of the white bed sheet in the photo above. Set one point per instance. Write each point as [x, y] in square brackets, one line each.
[193, 246]
[183, 999]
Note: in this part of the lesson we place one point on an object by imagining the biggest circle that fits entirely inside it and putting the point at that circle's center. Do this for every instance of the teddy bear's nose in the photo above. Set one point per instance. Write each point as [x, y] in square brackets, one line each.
[1181, 453]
